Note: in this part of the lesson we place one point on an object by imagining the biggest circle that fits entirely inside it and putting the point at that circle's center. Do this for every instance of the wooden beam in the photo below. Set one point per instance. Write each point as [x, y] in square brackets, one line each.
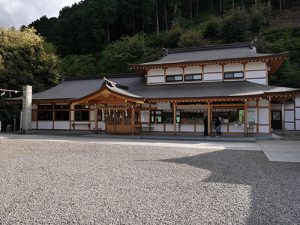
[209, 118]
[132, 120]
[96, 119]
[245, 118]
[174, 117]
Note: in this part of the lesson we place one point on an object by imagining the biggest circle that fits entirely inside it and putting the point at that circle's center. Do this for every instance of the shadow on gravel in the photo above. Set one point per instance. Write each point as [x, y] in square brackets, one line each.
[275, 197]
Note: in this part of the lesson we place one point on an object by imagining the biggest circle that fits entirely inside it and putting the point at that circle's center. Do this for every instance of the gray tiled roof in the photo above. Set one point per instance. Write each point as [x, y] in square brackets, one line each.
[209, 53]
[136, 88]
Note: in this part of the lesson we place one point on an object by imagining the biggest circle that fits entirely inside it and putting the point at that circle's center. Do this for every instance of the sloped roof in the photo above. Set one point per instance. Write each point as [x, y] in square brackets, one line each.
[208, 53]
[135, 87]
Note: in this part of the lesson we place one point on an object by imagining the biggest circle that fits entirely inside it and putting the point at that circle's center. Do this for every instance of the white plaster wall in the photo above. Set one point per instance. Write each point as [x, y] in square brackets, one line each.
[174, 70]
[263, 102]
[170, 127]
[289, 116]
[297, 110]
[213, 76]
[61, 125]
[233, 67]
[92, 114]
[289, 105]
[255, 74]
[289, 126]
[155, 80]
[276, 106]
[258, 81]
[158, 127]
[157, 71]
[186, 127]
[81, 125]
[297, 100]
[251, 103]
[212, 68]
[192, 69]
[254, 112]
[72, 112]
[263, 129]
[199, 127]
[297, 124]
[255, 66]
[263, 116]
[236, 129]
[45, 125]
[33, 124]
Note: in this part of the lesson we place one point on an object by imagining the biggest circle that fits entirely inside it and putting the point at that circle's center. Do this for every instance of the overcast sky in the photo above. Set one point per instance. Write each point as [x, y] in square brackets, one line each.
[22, 12]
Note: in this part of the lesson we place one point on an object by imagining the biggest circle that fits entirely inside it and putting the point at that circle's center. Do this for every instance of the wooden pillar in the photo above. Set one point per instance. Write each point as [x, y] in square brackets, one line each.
[96, 119]
[132, 120]
[209, 118]
[174, 117]
[257, 117]
[270, 115]
[246, 118]
[53, 115]
[149, 123]
[283, 117]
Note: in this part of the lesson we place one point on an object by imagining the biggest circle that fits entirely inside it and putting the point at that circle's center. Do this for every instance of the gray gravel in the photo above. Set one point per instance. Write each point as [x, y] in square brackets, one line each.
[95, 183]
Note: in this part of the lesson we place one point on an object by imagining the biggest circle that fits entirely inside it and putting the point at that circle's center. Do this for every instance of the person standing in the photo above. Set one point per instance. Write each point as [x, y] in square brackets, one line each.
[205, 121]
[218, 124]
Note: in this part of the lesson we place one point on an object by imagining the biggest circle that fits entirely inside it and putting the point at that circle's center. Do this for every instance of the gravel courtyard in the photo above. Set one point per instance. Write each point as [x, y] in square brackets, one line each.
[56, 182]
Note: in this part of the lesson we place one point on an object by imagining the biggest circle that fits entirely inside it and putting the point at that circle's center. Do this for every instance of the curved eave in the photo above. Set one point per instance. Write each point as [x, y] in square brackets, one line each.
[88, 97]
[280, 56]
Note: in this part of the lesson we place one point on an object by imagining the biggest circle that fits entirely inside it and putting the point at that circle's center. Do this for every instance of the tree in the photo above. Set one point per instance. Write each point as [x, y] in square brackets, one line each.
[236, 27]
[26, 60]
[78, 65]
[190, 39]
[213, 29]
[127, 50]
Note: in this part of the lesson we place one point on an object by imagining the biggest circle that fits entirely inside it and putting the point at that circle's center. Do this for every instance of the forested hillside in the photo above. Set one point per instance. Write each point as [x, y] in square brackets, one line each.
[102, 36]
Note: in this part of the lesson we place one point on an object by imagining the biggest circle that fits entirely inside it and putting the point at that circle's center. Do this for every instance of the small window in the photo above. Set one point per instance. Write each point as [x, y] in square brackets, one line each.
[233, 75]
[193, 77]
[82, 115]
[45, 115]
[45, 107]
[81, 107]
[156, 116]
[62, 115]
[62, 106]
[174, 78]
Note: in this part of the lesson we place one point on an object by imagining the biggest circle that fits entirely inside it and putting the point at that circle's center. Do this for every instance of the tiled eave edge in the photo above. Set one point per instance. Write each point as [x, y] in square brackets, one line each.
[40, 101]
[273, 57]
[268, 96]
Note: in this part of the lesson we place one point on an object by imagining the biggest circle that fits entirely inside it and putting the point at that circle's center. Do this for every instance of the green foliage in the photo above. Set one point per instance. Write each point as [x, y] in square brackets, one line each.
[128, 50]
[26, 60]
[213, 28]
[78, 65]
[281, 40]
[236, 27]
[260, 16]
[190, 39]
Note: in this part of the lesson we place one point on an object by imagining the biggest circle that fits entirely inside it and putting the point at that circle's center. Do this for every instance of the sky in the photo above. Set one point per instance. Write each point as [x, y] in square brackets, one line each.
[22, 12]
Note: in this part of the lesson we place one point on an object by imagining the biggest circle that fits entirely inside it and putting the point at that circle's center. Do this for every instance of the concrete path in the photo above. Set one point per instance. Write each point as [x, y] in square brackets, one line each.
[281, 151]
